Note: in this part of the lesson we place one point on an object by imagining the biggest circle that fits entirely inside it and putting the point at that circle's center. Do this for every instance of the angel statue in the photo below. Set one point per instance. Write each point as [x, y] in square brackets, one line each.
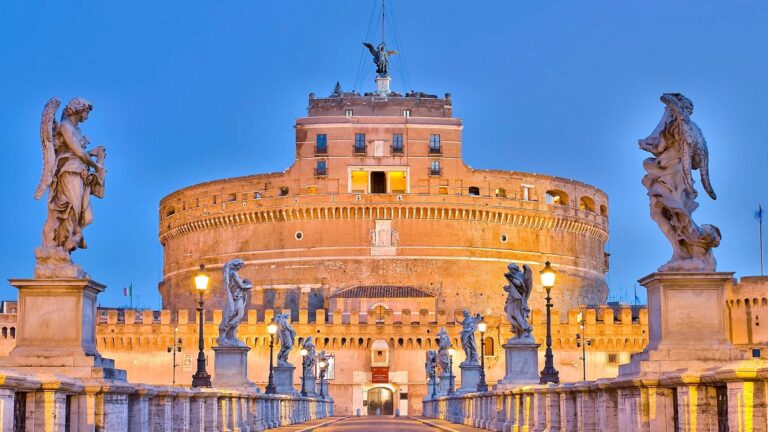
[71, 176]
[237, 292]
[468, 341]
[380, 58]
[678, 147]
[311, 358]
[443, 344]
[518, 291]
[430, 365]
[285, 334]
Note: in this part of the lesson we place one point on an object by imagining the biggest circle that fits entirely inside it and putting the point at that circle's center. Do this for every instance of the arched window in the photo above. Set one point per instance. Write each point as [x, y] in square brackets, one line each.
[376, 313]
[587, 203]
[13, 332]
[603, 210]
[557, 197]
[474, 191]
[489, 346]
[5, 332]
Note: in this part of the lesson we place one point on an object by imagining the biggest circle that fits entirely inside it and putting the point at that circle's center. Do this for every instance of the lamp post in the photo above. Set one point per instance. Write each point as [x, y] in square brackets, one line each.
[271, 329]
[176, 347]
[549, 374]
[583, 343]
[451, 352]
[482, 386]
[201, 378]
[434, 379]
[304, 353]
[322, 364]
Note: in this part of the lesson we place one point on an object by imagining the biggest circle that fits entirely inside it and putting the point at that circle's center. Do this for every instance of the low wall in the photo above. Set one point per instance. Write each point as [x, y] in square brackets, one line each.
[733, 396]
[57, 404]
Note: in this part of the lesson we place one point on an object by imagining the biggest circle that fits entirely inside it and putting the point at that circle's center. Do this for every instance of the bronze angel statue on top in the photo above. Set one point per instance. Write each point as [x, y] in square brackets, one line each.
[71, 174]
[518, 291]
[678, 147]
[380, 58]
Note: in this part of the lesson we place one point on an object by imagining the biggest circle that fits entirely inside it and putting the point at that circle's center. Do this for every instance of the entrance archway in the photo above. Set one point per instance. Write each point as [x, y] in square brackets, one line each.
[380, 398]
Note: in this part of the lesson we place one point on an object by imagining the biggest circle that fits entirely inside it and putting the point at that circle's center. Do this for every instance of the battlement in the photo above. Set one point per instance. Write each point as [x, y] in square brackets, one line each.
[412, 104]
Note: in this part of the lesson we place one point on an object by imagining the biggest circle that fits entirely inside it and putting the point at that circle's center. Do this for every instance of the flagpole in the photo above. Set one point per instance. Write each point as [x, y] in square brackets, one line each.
[760, 220]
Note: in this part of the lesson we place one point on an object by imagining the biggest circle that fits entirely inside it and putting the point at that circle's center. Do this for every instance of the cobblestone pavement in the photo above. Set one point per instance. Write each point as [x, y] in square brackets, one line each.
[387, 423]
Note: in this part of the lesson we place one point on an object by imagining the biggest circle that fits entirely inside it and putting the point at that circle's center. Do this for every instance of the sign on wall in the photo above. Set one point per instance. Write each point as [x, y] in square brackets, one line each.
[379, 375]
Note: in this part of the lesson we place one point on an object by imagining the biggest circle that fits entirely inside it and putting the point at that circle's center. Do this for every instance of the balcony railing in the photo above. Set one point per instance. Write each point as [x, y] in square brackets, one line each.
[435, 150]
[358, 150]
[320, 171]
[435, 172]
[321, 150]
[398, 150]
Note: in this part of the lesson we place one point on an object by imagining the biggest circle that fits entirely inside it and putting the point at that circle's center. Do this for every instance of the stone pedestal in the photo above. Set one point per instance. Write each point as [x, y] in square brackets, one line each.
[443, 384]
[310, 385]
[430, 383]
[230, 367]
[687, 327]
[470, 378]
[284, 379]
[57, 330]
[522, 362]
[382, 85]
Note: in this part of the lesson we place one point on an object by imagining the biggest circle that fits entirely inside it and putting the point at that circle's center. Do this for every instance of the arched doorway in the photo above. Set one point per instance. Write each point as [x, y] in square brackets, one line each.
[380, 398]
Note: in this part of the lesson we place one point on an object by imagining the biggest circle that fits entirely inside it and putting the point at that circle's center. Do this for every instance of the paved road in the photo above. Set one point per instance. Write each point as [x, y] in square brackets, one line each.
[373, 424]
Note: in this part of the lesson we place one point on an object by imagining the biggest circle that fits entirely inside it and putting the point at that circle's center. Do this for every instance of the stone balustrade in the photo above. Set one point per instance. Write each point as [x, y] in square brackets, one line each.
[734, 395]
[54, 403]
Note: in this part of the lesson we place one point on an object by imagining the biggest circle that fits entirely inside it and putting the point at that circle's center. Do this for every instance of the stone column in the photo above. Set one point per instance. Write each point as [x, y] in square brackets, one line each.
[182, 417]
[539, 419]
[568, 414]
[6, 408]
[553, 411]
[48, 411]
[607, 410]
[585, 408]
[196, 412]
[696, 407]
[161, 411]
[138, 409]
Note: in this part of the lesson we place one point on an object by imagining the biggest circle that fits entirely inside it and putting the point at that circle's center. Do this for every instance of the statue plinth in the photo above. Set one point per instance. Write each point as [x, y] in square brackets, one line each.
[470, 377]
[521, 361]
[687, 327]
[443, 384]
[310, 384]
[382, 85]
[230, 367]
[283, 375]
[57, 329]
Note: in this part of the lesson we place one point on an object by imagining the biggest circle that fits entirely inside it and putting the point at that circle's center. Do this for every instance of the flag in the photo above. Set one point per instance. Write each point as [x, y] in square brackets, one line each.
[128, 291]
[759, 214]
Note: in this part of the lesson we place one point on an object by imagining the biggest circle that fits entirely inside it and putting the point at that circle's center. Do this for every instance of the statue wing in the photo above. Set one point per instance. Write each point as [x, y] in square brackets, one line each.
[684, 134]
[528, 279]
[371, 48]
[391, 52]
[47, 131]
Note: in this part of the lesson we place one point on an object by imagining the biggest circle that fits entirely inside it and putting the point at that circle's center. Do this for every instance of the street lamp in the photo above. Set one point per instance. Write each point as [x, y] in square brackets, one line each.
[322, 364]
[304, 353]
[201, 378]
[549, 374]
[482, 386]
[271, 329]
[173, 349]
[434, 379]
[451, 352]
[582, 342]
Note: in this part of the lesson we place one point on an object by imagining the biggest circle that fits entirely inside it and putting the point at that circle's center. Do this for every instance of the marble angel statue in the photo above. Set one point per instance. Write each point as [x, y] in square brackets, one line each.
[71, 174]
[443, 344]
[236, 291]
[468, 341]
[286, 335]
[516, 307]
[678, 148]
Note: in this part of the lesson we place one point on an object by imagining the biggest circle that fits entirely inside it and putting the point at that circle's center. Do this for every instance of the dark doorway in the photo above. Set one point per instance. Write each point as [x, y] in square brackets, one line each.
[378, 182]
[380, 398]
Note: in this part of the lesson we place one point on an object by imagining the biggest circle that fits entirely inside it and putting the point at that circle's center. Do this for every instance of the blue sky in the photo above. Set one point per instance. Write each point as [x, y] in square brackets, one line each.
[186, 92]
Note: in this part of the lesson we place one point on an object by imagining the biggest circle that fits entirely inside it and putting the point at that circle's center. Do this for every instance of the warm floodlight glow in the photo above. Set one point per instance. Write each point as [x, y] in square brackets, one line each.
[272, 328]
[547, 276]
[451, 352]
[321, 364]
[303, 352]
[201, 279]
[482, 327]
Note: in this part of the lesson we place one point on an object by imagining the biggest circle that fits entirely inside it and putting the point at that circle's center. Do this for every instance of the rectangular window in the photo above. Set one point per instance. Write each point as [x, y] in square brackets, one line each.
[434, 168]
[348, 112]
[501, 193]
[397, 143]
[320, 168]
[434, 144]
[442, 190]
[359, 143]
[321, 147]
[406, 113]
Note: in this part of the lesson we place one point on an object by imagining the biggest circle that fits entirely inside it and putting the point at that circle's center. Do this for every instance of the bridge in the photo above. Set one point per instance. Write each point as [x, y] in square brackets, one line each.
[376, 423]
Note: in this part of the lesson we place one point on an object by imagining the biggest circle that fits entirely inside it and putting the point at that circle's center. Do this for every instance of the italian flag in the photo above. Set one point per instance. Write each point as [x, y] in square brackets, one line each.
[128, 291]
